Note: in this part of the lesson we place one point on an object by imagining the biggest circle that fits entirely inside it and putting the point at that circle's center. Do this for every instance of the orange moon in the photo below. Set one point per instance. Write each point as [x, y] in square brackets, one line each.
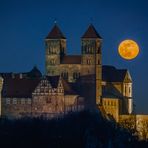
[128, 49]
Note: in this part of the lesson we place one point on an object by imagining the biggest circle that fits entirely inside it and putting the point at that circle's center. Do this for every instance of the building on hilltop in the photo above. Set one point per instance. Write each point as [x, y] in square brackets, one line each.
[72, 67]
[71, 82]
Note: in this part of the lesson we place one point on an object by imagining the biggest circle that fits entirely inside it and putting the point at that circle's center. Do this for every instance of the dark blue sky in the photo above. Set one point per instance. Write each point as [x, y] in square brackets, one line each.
[24, 25]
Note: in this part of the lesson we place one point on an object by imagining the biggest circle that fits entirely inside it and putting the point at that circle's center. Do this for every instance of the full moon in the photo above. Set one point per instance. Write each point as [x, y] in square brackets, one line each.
[128, 49]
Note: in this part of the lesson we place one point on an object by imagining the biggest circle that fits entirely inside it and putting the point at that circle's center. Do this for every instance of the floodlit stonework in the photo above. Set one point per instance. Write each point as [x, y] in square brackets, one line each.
[71, 83]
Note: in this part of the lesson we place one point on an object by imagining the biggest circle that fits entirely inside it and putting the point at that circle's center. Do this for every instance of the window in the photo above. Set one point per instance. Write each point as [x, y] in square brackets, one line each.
[88, 61]
[108, 103]
[22, 101]
[98, 61]
[49, 51]
[91, 50]
[60, 90]
[104, 103]
[29, 101]
[76, 75]
[112, 103]
[98, 50]
[8, 101]
[64, 75]
[129, 90]
[14, 101]
[48, 100]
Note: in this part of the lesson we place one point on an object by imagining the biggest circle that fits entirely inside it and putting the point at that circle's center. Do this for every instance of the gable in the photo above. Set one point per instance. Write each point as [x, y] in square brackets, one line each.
[43, 87]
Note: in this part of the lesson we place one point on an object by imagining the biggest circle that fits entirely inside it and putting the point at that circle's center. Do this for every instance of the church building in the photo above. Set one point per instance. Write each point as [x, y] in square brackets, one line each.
[71, 83]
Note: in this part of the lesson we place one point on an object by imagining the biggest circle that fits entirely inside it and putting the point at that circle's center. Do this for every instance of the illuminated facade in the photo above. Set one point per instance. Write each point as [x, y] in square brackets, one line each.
[71, 83]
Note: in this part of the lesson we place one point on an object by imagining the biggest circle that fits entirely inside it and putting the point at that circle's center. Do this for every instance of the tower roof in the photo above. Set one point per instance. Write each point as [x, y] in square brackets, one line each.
[91, 33]
[55, 33]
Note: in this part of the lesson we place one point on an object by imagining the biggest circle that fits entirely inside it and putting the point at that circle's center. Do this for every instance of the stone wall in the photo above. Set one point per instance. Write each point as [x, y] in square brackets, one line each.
[111, 107]
[16, 107]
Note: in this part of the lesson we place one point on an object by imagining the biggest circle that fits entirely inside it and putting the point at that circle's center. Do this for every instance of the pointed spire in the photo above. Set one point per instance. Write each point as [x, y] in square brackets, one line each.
[55, 33]
[91, 33]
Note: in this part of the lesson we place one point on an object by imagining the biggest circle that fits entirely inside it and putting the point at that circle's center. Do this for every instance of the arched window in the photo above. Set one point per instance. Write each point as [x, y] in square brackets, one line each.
[88, 61]
[48, 99]
[76, 75]
[99, 61]
[52, 61]
[92, 50]
[99, 50]
[64, 75]
[129, 89]
[108, 103]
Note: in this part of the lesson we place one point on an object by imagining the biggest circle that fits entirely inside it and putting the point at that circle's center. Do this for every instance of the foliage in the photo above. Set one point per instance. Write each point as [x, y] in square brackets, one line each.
[77, 130]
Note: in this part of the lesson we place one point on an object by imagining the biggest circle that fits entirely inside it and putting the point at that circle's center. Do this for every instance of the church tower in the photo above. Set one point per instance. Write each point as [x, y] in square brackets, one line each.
[127, 93]
[91, 58]
[55, 43]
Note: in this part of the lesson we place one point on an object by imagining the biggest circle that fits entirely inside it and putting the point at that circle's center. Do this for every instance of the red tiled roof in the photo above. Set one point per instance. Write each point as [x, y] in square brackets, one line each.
[91, 33]
[55, 33]
[16, 87]
[23, 88]
[71, 59]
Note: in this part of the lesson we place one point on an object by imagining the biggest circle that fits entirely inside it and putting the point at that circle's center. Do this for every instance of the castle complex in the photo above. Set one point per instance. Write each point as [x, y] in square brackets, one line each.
[71, 83]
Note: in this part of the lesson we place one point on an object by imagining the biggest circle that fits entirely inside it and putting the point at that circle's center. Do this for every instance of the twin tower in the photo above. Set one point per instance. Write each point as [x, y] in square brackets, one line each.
[74, 67]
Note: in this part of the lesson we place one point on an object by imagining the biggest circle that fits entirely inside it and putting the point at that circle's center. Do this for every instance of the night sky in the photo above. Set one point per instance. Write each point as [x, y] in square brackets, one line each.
[24, 25]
